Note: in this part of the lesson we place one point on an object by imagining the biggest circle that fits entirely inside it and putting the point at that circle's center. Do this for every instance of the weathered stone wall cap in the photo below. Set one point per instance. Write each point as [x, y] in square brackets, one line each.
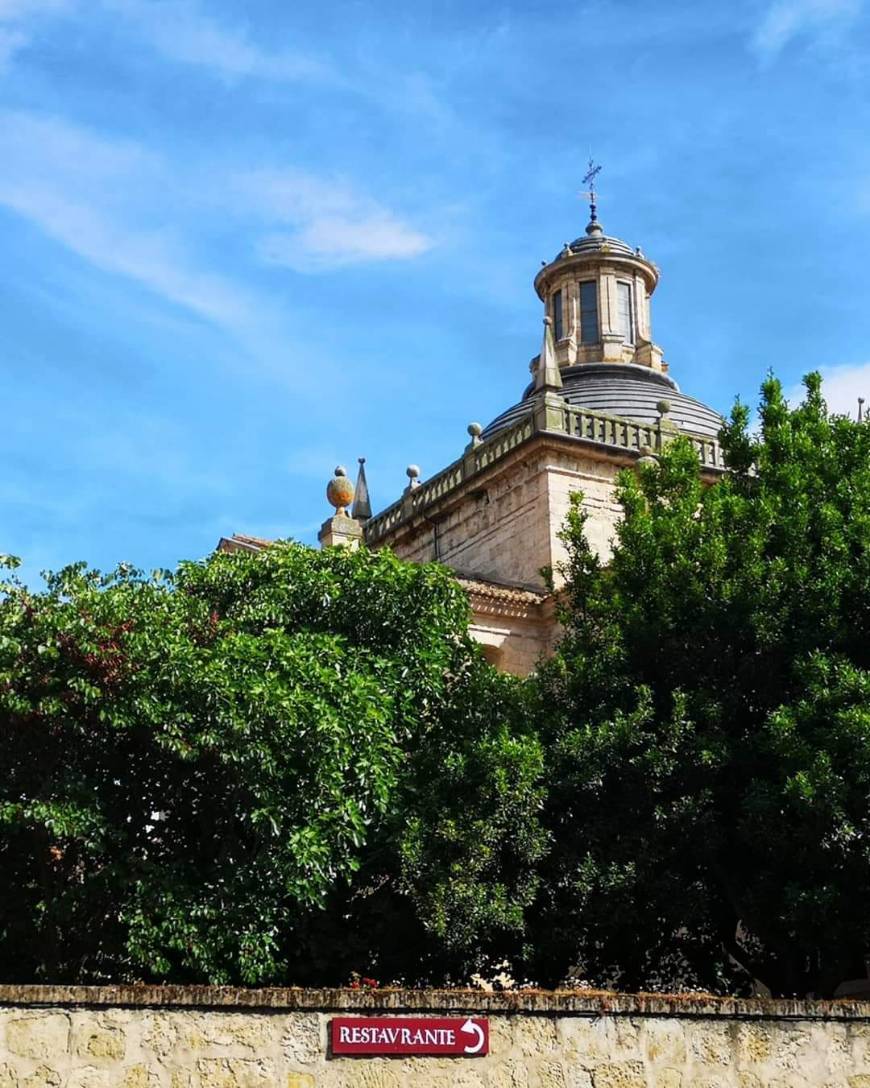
[531, 1002]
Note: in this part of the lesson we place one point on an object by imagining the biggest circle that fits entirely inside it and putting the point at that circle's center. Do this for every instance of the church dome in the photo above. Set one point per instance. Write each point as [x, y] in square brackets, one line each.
[598, 352]
[595, 241]
[620, 389]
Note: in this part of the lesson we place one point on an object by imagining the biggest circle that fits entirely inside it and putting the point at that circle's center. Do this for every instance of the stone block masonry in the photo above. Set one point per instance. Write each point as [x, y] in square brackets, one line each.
[204, 1037]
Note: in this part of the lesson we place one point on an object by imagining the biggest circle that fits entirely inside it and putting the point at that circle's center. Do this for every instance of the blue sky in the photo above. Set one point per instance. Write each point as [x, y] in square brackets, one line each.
[245, 241]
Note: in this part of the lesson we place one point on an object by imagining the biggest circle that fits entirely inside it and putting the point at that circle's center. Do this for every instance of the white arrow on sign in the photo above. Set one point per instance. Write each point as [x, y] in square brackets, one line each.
[473, 1029]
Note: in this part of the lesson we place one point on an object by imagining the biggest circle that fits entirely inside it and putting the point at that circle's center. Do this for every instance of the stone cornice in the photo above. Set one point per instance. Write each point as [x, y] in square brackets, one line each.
[603, 261]
[501, 592]
[510, 1002]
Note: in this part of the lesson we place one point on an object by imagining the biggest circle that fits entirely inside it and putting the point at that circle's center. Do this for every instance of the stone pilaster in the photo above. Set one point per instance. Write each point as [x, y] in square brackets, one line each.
[612, 347]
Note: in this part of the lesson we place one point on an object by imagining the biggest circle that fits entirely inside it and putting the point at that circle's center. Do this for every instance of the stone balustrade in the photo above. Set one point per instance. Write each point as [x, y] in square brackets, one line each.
[550, 416]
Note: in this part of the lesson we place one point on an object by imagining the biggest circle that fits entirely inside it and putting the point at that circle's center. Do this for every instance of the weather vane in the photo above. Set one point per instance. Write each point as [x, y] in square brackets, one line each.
[589, 179]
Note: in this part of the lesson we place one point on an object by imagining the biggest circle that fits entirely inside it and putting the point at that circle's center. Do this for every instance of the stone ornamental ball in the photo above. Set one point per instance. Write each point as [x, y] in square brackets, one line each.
[339, 490]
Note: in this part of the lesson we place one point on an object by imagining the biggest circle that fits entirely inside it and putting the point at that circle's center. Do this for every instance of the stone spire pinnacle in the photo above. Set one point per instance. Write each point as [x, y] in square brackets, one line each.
[362, 506]
[547, 376]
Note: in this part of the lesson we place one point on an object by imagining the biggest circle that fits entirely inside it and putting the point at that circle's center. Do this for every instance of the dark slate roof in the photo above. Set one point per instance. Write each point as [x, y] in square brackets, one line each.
[625, 390]
[594, 243]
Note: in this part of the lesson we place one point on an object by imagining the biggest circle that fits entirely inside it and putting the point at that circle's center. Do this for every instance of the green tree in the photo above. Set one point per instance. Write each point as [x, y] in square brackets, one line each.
[707, 720]
[203, 771]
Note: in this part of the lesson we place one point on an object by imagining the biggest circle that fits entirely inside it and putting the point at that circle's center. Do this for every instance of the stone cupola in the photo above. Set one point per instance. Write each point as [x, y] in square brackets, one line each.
[597, 292]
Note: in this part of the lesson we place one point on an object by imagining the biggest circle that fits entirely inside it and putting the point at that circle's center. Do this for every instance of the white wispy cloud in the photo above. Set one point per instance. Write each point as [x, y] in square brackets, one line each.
[331, 224]
[156, 260]
[841, 387]
[130, 213]
[82, 189]
[92, 195]
[785, 20]
[182, 32]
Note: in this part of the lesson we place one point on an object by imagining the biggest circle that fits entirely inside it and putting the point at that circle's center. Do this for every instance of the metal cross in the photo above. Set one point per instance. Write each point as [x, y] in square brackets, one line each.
[589, 179]
[591, 174]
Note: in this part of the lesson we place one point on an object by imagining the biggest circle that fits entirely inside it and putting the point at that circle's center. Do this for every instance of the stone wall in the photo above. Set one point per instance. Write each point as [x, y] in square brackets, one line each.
[201, 1037]
[511, 643]
[504, 524]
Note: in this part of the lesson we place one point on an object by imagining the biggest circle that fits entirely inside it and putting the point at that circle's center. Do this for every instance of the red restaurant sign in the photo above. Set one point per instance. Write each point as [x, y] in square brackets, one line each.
[430, 1035]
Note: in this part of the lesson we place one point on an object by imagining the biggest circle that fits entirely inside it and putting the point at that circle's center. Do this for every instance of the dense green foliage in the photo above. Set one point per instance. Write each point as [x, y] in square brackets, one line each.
[295, 765]
[707, 721]
[249, 771]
